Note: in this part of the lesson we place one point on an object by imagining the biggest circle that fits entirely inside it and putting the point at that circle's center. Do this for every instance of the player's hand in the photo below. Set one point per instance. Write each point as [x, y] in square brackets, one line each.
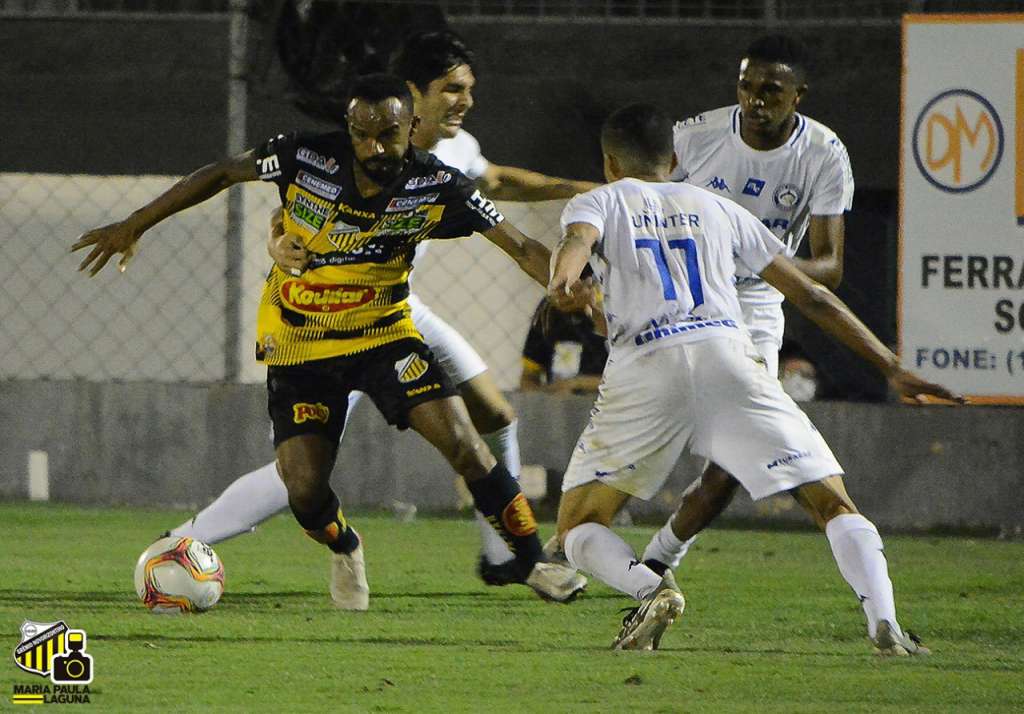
[909, 385]
[571, 297]
[106, 242]
[286, 249]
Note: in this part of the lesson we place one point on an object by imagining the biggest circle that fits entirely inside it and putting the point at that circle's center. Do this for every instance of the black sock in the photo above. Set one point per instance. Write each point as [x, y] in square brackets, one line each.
[500, 499]
[327, 525]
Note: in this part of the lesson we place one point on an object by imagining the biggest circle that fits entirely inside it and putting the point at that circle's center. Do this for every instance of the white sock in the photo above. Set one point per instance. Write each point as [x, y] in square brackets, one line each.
[857, 548]
[247, 502]
[597, 550]
[666, 547]
[504, 444]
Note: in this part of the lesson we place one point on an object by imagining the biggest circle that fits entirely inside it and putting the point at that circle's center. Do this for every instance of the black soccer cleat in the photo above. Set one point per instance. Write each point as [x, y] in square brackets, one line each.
[498, 574]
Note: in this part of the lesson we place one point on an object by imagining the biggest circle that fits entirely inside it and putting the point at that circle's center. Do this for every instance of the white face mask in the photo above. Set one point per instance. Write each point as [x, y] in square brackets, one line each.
[799, 386]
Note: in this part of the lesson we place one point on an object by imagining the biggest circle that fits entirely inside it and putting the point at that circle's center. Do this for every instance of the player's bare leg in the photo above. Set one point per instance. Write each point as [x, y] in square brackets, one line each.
[445, 423]
[495, 420]
[859, 553]
[584, 516]
[305, 463]
[702, 502]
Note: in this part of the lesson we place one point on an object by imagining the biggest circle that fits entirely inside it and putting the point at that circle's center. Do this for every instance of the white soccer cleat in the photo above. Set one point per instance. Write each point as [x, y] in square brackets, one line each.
[643, 627]
[890, 641]
[349, 589]
[555, 582]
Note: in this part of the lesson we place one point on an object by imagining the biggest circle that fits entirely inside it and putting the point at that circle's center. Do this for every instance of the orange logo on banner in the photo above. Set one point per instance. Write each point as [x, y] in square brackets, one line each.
[958, 141]
[518, 517]
[306, 412]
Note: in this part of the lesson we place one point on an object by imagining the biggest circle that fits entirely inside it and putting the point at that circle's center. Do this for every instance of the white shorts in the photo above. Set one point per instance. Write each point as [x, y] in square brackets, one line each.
[712, 397]
[454, 354]
[766, 324]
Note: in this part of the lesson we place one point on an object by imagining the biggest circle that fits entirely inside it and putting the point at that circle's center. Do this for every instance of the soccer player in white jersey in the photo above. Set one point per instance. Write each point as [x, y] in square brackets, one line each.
[793, 174]
[438, 68]
[683, 373]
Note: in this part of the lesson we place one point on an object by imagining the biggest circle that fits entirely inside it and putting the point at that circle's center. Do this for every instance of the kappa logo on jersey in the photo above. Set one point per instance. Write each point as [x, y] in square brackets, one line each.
[787, 195]
[270, 166]
[411, 368]
[754, 187]
[485, 207]
[318, 185]
[304, 412]
[718, 184]
[424, 181]
[324, 163]
[316, 298]
[407, 203]
[52, 649]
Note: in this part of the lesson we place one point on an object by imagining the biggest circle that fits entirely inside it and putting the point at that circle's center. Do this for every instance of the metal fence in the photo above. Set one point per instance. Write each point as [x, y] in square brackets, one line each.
[169, 316]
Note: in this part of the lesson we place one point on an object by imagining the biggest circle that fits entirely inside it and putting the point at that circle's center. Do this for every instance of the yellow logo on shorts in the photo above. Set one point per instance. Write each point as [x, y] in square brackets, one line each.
[411, 368]
[317, 412]
[421, 390]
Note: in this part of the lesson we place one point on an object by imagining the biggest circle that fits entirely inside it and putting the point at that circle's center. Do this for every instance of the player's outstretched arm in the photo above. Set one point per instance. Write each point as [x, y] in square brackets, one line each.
[198, 186]
[833, 316]
[827, 238]
[565, 289]
[529, 254]
[509, 183]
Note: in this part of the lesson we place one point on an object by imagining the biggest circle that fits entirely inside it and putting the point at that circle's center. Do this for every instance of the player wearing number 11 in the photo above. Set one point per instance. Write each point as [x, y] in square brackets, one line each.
[683, 373]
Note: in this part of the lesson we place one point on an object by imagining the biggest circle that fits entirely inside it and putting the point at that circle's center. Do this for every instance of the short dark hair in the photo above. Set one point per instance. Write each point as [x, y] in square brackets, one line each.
[641, 130]
[425, 56]
[378, 87]
[782, 49]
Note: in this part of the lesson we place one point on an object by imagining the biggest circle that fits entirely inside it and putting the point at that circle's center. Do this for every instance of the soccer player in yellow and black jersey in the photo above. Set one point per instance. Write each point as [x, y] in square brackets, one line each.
[360, 200]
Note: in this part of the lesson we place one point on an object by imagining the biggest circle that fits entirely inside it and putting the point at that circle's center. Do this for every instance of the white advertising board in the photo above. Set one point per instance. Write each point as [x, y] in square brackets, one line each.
[961, 265]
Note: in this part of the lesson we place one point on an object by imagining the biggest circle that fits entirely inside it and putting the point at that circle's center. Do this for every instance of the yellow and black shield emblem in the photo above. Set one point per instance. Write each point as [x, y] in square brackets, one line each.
[40, 643]
[411, 368]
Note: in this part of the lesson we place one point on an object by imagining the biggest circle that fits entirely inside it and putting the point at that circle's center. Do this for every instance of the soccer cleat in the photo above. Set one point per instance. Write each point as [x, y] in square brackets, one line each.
[498, 574]
[349, 589]
[643, 626]
[555, 582]
[891, 642]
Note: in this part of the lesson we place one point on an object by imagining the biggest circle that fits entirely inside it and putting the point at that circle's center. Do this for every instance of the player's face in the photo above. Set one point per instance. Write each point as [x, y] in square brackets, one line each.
[768, 93]
[380, 134]
[445, 102]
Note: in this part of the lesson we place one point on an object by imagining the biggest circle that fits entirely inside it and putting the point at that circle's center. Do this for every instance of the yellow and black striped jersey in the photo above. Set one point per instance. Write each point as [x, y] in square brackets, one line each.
[353, 295]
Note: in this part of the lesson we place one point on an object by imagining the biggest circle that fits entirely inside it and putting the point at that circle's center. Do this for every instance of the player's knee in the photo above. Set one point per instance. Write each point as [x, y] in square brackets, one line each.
[468, 456]
[717, 487]
[489, 416]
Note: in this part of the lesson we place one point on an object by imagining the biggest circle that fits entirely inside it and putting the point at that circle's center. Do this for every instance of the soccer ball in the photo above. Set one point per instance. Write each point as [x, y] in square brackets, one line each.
[179, 575]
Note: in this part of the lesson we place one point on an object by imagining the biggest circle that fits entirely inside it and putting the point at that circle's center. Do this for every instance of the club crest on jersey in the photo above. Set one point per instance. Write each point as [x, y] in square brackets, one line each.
[754, 187]
[411, 368]
[787, 195]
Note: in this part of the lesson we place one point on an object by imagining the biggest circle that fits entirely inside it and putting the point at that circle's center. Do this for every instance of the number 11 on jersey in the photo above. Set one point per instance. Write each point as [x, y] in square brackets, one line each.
[689, 249]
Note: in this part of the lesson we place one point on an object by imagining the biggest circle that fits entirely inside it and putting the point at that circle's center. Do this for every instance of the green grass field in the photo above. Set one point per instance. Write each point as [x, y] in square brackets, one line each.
[769, 626]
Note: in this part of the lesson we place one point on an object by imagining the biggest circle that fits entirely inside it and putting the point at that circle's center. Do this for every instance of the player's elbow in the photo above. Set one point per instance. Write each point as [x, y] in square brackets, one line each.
[833, 277]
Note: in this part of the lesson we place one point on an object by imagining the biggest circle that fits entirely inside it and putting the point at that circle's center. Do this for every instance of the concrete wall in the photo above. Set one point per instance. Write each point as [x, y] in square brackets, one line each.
[163, 444]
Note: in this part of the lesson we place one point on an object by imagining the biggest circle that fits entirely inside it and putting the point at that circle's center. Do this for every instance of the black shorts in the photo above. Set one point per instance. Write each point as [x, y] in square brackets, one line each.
[312, 397]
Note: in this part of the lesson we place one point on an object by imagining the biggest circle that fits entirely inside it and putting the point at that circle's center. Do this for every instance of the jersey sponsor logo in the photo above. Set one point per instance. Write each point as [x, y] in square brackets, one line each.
[660, 333]
[437, 179]
[518, 517]
[691, 121]
[754, 187]
[309, 213]
[269, 167]
[787, 459]
[345, 208]
[318, 185]
[718, 184]
[787, 195]
[422, 390]
[304, 411]
[958, 141]
[411, 368]
[407, 203]
[485, 207]
[316, 298]
[324, 163]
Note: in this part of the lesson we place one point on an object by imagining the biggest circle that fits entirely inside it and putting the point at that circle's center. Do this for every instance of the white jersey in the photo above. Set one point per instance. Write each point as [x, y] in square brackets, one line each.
[809, 175]
[666, 260]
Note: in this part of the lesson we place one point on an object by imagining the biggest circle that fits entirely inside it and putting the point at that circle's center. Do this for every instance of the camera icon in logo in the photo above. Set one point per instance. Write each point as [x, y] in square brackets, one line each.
[74, 667]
